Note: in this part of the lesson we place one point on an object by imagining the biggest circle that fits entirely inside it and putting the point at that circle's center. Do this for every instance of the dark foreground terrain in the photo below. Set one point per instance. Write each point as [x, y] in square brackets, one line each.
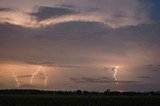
[77, 98]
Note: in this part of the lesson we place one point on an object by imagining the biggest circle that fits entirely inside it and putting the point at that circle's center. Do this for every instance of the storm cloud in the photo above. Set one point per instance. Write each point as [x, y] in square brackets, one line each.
[4, 9]
[51, 12]
[98, 80]
[78, 39]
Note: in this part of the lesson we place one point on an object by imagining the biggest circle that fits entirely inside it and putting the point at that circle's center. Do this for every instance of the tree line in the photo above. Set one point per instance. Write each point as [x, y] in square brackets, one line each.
[77, 92]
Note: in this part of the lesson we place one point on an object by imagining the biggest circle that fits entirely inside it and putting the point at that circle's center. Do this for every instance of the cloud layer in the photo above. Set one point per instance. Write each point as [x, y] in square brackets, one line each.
[112, 13]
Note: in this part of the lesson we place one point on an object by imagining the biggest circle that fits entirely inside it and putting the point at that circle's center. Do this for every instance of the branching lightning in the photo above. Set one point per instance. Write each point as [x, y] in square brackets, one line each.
[16, 78]
[115, 73]
[34, 74]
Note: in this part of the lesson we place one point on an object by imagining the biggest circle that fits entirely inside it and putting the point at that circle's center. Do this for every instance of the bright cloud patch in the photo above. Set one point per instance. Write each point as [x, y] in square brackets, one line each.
[112, 13]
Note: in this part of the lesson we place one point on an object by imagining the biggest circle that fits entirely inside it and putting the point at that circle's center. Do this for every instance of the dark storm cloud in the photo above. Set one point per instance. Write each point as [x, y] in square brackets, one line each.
[49, 12]
[155, 70]
[129, 82]
[120, 14]
[24, 76]
[67, 5]
[98, 80]
[90, 80]
[40, 76]
[53, 45]
[155, 5]
[150, 65]
[145, 35]
[144, 77]
[49, 64]
[3, 9]
[106, 68]
[153, 67]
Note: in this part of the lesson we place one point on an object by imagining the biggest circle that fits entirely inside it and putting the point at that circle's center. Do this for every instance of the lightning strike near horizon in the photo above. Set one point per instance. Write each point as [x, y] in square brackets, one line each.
[46, 78]
[115, 69]
[16, 79]
[2, 68]
[14, 76]
[34, 74]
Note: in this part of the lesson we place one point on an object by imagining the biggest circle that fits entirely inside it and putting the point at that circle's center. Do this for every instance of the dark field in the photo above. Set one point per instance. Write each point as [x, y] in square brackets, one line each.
[77, 98]
[69, 100]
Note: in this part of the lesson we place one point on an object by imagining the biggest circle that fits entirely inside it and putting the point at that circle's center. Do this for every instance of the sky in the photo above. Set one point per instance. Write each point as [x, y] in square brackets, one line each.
[90, 45]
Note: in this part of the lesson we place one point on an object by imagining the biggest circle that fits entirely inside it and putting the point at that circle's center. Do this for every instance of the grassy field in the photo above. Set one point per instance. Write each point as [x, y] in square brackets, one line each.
[78, 100]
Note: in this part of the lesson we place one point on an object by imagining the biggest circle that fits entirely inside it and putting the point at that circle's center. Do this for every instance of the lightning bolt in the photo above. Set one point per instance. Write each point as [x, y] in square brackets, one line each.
[2, 68]
[16, 79]
[34, 74]
[115, 74]
[14, 76]
[46, 78]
